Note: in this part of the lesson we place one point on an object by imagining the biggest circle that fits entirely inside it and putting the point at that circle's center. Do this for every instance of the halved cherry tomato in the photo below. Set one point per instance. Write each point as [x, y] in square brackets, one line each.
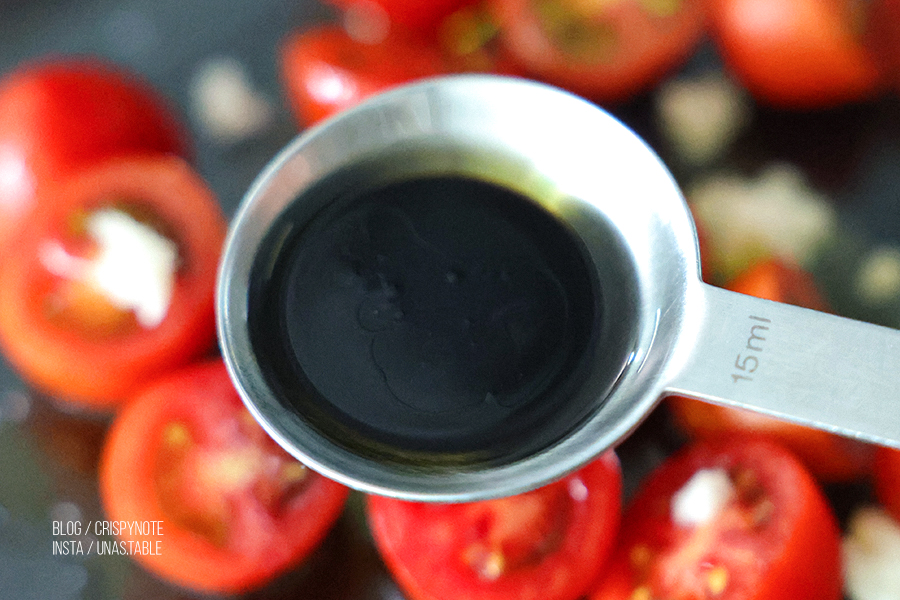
[607, 51]
[60, 115]
[417, 15]
[887, 479]
[798, 53]
[235, 509]
[67, 322]
[736, 520]
[830, 457]
[550, 543]
[325, 71]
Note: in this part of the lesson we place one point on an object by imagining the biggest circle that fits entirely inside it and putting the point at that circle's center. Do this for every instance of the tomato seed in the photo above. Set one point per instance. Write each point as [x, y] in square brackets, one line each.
[640, 556]
[488, 564]
[293, 472]
[661, 8]
[176, 435]
[641, 593]
[762, 512]
[717, 580]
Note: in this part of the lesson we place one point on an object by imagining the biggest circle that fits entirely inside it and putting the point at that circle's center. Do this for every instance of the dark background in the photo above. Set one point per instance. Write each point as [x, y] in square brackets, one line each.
[48, 457]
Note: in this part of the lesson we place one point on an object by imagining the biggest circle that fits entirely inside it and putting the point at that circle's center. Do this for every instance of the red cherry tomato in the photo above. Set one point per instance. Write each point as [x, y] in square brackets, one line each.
[887, 479]
[64, 328]
[769, 535]
[830, 457]
[417, 15]
[550, 543]
[798, 53]
[607, 51]
[234, 508]
[58, 116]
[325, 71]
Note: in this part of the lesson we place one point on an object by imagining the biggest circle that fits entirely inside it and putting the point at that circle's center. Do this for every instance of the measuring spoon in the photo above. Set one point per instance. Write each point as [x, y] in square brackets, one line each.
[655, 328]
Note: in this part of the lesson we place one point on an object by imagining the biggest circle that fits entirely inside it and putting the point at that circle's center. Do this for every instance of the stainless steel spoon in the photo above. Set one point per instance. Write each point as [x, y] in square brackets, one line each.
[665, 331]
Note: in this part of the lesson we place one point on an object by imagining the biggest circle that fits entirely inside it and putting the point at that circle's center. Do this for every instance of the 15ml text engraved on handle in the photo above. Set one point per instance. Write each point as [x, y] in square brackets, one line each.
[748, 359]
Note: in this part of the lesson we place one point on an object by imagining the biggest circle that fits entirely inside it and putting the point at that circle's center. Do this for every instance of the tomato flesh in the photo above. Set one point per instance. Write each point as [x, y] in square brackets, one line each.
[607, 51]
[887, 479]
[699, 567]
[237, 510]
[883, 35]
[61, 333]
[775, 536]
[469, 41]
[415, 15]
[200, 484]
[550, 543]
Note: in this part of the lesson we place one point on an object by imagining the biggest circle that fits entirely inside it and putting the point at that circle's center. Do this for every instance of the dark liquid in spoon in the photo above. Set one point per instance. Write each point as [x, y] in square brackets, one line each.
[438, 315]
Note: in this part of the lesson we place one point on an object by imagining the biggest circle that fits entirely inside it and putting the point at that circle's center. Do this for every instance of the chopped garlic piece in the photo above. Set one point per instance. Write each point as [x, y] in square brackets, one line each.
[226, 103]
[135, 267]
[871, 551]
[703, 497]
[878, 280]
[775, 213]
[701, 116]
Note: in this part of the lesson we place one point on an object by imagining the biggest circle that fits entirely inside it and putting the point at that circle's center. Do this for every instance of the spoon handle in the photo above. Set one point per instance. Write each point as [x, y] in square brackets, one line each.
[801, 365]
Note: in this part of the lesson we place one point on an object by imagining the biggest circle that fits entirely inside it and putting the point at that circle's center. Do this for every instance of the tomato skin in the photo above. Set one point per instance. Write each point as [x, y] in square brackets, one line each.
[799, 54]
[830, 457]
[325, 71]
[640, 47]
[101, 373]
[887, 479]
[884, 37]
[412, 14]
[261, 543]
[469, 41]
[60, 115]
[794, 553]
[551, 546]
